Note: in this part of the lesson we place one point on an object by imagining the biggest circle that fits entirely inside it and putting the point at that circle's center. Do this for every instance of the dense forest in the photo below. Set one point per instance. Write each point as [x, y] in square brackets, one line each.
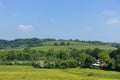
[21, 52]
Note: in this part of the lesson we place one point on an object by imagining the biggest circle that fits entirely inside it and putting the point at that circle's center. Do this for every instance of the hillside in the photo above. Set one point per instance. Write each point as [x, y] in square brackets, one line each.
[35, 42]
[52, 53]
[46, 44]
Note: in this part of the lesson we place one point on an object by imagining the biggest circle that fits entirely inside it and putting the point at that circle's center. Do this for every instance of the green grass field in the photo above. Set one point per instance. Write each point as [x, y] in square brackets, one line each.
[30, 73]
[73, 44]
[77, 45]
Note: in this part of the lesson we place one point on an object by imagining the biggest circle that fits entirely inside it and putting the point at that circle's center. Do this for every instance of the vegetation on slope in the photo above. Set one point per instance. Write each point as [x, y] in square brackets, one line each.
[34, 42]
[60, 53]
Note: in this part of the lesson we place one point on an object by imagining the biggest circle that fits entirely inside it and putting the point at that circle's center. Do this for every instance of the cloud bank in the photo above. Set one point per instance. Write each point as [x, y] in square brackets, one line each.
[25, 28]
[114, 21]
[108, 13]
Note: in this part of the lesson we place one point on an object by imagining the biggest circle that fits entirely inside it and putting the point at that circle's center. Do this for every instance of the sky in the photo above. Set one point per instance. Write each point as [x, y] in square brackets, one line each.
[60, 19]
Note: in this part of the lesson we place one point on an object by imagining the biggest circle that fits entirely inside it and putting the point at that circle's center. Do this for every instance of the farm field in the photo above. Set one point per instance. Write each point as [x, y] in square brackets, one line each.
[79, 47]
[76, 45]
[30, 73]
[73, 44]
[67, 47]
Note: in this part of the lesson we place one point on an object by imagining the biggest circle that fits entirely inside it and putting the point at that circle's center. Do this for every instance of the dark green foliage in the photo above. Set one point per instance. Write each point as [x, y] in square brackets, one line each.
[68, 43]
[74, 52]
[33, 42]
[81, 59]
[69, 64]
[104, 57]
[118, 62]
[51, 52]
[56, 44]
[114, 53]
[85, 60]
[63, 55]
[88, 51]
[95, 52]
[89, 61]
[62, 43]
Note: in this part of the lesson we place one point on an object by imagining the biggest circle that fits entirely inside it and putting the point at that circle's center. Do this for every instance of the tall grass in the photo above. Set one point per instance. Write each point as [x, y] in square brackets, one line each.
[30, 73]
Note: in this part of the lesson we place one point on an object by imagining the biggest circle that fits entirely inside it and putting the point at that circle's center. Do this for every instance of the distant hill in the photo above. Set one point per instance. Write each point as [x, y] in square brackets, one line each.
[36, 42]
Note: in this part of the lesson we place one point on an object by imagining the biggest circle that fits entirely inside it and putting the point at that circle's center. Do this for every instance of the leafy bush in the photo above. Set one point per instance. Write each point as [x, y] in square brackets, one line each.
[38, 64]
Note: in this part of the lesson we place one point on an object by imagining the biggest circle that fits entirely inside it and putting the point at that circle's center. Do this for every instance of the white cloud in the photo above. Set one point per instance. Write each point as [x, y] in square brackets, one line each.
[114, 21]
[107, 13]
[110, 17]
[25, 28]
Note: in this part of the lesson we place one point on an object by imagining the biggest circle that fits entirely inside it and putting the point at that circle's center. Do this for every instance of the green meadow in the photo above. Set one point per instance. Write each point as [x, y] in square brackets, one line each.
[73, 44]
[76, 45]
[30, 73]
[79, 47]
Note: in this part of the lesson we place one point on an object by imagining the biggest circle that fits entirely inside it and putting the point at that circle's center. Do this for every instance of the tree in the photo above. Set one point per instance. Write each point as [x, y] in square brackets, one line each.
[63, 55]
[104, 57]
[62, 43]
[74, 52]
[114, 53]
[88, 51]
[118, 62]
[69, 63]
[95, 52]
[89, 61]
[72, 63]
[68, 43]
[27, 50]
[12, 55]
[50, 62]
[51, 53]
[81, 59]
[56, 44]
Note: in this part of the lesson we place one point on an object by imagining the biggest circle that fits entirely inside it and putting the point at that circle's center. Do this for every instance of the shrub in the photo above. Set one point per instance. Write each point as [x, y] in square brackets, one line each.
[38, 64]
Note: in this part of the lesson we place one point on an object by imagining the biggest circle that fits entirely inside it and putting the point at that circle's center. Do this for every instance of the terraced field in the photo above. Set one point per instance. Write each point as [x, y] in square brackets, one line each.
[30, 73]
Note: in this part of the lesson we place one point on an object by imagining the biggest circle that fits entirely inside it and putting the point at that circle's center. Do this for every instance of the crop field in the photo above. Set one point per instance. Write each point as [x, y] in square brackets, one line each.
[76, 45]
[73, 44]
[79, 47]
[30, 73]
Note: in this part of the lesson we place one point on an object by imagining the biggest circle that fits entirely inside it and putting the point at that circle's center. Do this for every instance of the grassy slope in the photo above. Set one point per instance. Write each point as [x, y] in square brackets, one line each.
[78, 45]
[29, 73]
[73, 44]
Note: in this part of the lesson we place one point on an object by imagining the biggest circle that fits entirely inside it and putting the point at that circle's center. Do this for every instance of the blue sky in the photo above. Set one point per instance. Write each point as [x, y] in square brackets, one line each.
[60, 19]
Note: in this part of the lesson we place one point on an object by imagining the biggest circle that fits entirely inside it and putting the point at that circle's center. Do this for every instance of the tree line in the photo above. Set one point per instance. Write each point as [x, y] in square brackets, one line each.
[63, 58]
[34, 42]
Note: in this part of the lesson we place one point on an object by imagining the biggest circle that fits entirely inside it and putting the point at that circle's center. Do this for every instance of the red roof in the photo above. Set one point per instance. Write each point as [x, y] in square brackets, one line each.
[102, 65]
